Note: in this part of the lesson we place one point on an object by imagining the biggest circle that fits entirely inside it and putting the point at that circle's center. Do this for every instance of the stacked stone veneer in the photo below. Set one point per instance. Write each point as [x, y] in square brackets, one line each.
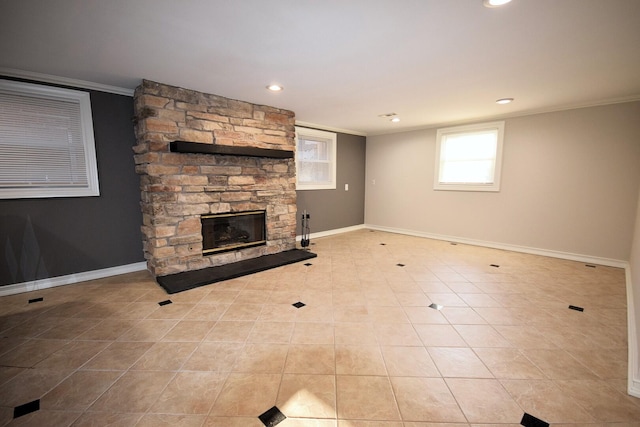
[178, 188]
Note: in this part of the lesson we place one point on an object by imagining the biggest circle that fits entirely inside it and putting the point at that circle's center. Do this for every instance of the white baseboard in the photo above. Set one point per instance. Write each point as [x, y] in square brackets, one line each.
[333, 232]
[52, 282]
[633, 383]
[634, 387]
[504, 246]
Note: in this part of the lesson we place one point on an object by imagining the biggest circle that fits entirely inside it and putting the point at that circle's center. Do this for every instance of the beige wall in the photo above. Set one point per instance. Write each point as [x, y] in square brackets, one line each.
[570, 183]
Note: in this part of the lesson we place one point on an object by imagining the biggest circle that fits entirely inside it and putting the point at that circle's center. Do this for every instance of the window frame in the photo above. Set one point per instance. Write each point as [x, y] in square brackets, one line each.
[332, 140]
[83, 99]
[441, 135]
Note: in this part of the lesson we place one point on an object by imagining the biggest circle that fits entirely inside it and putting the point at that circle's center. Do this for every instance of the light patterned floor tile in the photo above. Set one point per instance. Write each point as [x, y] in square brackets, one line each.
[365, 351]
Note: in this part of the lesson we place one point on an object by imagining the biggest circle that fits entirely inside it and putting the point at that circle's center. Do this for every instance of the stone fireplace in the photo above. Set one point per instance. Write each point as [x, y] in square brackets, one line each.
[202, 156]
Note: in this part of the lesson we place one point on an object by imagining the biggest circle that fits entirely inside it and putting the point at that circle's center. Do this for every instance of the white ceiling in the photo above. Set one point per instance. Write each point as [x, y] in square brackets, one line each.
[342, 62]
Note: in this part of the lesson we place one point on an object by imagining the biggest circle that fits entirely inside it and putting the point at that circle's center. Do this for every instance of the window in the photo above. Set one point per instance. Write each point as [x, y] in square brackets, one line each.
[46, 142]
[468, 158]
[315, 159]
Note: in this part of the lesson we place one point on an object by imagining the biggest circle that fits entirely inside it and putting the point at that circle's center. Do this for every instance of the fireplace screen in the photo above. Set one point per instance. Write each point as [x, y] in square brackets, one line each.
[231, 231]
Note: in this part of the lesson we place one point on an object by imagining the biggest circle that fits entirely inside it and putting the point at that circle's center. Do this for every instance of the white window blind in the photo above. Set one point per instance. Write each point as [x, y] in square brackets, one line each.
[468, 158]
[315, 159]
[47, 147]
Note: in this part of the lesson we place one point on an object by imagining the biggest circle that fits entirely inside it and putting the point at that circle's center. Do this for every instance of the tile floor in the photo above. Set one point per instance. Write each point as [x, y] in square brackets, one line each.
[365, 351]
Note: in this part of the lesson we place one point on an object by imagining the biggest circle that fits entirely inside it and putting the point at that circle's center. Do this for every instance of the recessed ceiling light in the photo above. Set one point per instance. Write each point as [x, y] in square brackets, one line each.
[494, 3]
[504, 101]
[395, 119]
[275, 88]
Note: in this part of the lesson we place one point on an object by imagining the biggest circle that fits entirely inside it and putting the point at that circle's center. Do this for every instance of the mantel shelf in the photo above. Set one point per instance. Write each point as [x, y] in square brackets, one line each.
[227, 150]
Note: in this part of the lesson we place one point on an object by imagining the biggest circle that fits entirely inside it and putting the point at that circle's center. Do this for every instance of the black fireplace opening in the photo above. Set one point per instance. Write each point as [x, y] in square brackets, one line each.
[232, 231]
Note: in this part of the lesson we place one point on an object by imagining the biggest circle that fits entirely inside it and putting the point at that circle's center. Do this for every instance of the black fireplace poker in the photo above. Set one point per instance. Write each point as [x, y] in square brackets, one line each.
[304, 242]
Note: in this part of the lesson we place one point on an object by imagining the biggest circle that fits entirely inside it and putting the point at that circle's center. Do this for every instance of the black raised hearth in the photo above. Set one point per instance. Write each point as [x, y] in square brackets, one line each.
[186, 280]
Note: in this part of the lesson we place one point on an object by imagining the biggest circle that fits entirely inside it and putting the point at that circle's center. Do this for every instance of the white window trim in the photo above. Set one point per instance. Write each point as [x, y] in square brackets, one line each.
[495, 185]
[69, 95]
[333, 162]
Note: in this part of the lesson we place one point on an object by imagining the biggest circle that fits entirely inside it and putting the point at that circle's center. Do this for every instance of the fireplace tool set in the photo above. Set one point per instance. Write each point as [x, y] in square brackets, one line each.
[304, 242]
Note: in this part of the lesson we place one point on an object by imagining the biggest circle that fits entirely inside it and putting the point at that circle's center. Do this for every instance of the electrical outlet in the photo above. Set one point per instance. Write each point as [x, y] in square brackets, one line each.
[346, 187]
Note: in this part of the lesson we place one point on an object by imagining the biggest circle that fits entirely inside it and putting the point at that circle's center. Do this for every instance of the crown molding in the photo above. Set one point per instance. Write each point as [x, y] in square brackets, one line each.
[329, 128]
[515, 114]
[48, 78]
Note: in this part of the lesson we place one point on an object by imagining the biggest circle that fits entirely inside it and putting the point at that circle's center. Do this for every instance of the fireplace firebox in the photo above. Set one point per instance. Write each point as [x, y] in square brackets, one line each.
[233, 230]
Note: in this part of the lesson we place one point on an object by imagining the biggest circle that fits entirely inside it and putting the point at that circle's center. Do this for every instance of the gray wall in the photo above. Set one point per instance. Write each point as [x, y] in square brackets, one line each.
[334, 209]
[44, 238]
[570, 183]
